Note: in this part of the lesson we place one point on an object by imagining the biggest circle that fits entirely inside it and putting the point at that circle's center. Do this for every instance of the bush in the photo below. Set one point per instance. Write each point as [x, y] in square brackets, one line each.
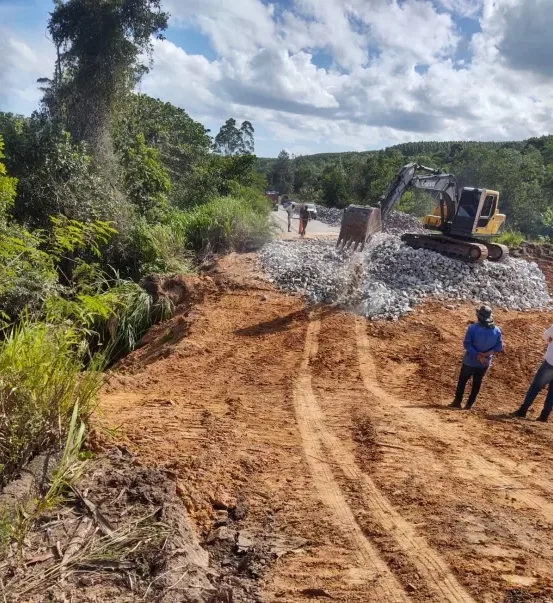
[511, 238]
[226, 224]
[41, 380]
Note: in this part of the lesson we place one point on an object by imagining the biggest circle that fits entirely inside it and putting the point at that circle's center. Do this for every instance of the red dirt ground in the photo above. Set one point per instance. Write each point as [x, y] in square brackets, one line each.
[336, 430]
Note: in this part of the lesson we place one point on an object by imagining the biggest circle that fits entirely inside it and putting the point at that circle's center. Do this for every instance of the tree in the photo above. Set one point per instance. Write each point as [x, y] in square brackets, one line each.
[380, 170]
[56, 175]
[147, 182]
[247, 136]
[228, 141]
[283, 175]
[182, 143]
[335, 187]
[234, 141]
[99, 44]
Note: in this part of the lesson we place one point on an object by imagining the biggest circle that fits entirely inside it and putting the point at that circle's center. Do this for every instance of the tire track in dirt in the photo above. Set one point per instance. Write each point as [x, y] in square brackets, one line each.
[464, 447]
[386, 586]
[430, 566]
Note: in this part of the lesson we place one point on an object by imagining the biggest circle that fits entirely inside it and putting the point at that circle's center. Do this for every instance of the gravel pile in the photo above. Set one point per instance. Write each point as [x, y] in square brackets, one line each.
[329, 215]
[395, 223]
[389, 279]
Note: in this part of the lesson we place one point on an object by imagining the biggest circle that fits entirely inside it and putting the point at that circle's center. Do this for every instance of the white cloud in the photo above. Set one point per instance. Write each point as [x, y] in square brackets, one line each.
[370, 95]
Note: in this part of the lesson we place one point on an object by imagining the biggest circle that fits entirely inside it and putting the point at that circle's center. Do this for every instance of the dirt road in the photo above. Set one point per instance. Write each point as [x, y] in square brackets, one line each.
[336, 430]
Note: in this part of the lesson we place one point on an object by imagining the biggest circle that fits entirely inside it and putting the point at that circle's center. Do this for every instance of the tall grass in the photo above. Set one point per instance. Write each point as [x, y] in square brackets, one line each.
[511, 238]
[163, 249]
[42, 378]
[226, 224]
[135, 312]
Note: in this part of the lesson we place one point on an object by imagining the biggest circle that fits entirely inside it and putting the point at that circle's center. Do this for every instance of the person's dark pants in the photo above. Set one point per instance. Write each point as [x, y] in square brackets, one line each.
[477, 373]
[543, 377]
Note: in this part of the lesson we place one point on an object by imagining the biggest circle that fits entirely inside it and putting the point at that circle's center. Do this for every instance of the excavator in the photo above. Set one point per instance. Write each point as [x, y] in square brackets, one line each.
[463, 223]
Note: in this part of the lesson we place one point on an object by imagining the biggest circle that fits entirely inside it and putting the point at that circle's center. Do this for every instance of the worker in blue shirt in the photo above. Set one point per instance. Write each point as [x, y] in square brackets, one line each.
[482, 340]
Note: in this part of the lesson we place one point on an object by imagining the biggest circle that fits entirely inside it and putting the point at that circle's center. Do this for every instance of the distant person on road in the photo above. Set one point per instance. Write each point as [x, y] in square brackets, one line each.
[482, 340]
[543, 377]
[304, 219]
[290, 212]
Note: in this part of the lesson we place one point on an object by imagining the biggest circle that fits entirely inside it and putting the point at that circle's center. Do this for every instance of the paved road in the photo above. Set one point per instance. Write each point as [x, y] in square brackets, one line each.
[314, 227]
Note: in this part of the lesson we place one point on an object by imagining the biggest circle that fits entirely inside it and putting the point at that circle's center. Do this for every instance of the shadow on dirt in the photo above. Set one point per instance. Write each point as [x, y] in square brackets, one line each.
[283, 323]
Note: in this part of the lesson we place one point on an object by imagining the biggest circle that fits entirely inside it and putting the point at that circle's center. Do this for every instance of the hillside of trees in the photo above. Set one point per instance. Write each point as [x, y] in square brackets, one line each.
[100, 187]
[521, 171]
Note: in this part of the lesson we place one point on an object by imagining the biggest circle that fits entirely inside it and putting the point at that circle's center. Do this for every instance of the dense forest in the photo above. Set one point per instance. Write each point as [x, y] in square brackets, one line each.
[521, 171]
[98, 188]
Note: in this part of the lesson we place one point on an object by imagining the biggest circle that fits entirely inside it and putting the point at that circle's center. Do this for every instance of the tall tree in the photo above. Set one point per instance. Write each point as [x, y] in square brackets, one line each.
[99, 44]
[235, 141]
[229, 140]
[247, 135]
[283, 175]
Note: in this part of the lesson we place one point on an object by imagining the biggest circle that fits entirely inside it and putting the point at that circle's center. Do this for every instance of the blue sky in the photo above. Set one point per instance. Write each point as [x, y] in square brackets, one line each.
[331, 75]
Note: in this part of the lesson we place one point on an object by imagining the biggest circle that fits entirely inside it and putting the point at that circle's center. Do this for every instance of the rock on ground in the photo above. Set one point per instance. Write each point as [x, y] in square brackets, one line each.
[388, 279]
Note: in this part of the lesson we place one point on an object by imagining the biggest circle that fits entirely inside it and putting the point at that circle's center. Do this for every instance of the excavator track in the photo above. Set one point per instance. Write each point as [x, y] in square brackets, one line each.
[468, 251]
[496, 252]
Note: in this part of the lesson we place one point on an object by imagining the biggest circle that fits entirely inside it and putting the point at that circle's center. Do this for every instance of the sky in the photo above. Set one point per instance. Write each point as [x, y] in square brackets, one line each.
[317, 76]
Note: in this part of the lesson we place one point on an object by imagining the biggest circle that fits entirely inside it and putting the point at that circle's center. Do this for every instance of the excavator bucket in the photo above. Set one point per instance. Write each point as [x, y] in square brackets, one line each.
[359, 223]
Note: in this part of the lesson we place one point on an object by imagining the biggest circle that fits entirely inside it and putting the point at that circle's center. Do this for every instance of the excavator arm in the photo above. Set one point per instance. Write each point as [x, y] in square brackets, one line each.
[359, 223]
[435, 182]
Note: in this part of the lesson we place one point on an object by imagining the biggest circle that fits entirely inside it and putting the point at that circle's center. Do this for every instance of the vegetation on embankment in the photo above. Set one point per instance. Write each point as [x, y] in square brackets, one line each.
[98, 188]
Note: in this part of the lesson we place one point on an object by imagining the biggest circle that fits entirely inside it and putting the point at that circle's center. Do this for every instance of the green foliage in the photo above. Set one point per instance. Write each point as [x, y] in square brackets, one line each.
[134, 312]
[511, 238]
[416, 202]
[283, 174]
[28, 274]
[42, 378]
[226, 224]
[215, 177]
[335, 190]
[182, 143]
[163, 248]
[7, 185]
[147, 183]
[70, 236]
[56, 176]
[379, 171]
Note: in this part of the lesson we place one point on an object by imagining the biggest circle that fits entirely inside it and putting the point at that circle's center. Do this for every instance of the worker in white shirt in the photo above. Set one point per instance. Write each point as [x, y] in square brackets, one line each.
[290, 212]
[543, 377]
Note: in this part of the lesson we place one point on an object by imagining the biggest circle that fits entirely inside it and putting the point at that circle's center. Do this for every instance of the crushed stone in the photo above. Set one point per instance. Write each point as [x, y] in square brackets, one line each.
[389, 279]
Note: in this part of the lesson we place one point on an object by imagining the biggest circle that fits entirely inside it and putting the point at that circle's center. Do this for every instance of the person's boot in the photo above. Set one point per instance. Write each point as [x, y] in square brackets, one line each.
[544, 417]
[469, 405]
[455, 404]
[519, 414]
